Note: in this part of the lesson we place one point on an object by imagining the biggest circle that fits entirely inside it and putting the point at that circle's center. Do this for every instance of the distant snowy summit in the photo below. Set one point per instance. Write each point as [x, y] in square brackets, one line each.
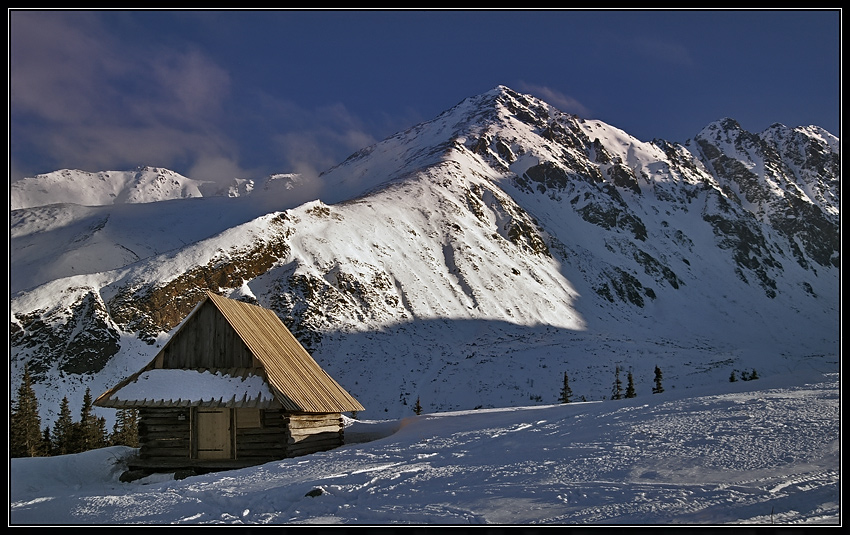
[145, 184]
[142, 185]
[148, 184]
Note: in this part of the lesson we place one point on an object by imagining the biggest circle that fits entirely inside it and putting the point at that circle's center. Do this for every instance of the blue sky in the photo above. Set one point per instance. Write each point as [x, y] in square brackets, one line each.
[223, 94]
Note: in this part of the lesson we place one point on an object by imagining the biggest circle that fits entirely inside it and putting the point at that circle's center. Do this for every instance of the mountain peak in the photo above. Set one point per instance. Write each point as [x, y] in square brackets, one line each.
[467, 259]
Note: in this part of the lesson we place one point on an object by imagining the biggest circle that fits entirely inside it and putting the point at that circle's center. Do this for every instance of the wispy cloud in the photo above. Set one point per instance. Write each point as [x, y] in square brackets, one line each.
[556, 98]
[84, 97]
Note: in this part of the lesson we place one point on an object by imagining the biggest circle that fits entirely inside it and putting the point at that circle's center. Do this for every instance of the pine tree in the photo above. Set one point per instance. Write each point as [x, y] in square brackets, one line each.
[25, 436]
[630, 388]
[617, 392]
[91, 430]
[754, 375]
[732, 377]
[63, 429]
[566, 391]
[125, 432]
[46, 443]
[417, 408]
[100, 435]
[657, 389]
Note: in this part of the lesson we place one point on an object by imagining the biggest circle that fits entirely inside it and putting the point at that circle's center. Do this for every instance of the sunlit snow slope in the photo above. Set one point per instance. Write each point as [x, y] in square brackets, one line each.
[469, 261]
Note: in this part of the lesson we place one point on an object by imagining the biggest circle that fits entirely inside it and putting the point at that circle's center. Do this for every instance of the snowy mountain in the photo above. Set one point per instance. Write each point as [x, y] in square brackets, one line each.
[145, 184]
[58, 239]
[468, 261]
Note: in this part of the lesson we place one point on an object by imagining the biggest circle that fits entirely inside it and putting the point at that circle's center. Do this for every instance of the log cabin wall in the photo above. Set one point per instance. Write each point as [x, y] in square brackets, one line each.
[260, 438]
[309, 432]
[164, 434]
[165, 437]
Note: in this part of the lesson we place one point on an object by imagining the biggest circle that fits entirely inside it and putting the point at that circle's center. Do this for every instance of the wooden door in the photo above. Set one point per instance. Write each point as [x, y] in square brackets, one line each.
[213, 433]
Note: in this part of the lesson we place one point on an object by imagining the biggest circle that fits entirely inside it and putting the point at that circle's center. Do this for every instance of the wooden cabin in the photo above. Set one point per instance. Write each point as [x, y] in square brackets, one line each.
[231, 388]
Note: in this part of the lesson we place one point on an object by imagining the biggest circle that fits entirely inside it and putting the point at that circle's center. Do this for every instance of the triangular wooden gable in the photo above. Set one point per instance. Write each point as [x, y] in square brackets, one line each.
[222, 333]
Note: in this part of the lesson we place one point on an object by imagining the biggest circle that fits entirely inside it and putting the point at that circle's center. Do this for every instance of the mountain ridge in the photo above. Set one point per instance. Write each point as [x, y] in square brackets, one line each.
[502, 233]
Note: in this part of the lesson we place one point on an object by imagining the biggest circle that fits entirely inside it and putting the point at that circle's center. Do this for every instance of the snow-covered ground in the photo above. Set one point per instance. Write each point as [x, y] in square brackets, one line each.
[750, 452]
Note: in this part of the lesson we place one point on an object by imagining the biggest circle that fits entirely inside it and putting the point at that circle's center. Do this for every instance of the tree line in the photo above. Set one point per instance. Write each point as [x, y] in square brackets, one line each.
[28, 439]
[617, 389]
[617, 392]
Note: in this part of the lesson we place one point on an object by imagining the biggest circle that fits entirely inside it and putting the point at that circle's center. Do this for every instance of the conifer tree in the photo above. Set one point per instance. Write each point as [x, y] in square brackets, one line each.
[630, 387]
[566, 391]
[417, 408]
[100, 435]
[91, 430]
[732, 377]
[125, 432]
[657, 389]
[46, 443]
[63, 430]
[25, 435]
[754, 375]
[617, 391]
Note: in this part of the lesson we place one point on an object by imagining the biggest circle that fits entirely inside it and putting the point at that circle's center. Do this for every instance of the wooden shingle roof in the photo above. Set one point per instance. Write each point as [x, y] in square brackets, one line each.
[295, 379]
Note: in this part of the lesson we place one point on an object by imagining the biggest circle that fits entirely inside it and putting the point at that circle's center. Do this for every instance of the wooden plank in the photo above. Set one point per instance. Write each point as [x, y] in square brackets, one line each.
[314, 430]
[314, 444]
[277, 442]
[169, 444]
[170, 465]
[163, 453]
[314, 438]
[165, 415]
[262, 449]
[163, 437]
[302, 424]
[164, 431]
[316, 416]
[296, 451]
[259, 432]
[257, 439]
[314, 425]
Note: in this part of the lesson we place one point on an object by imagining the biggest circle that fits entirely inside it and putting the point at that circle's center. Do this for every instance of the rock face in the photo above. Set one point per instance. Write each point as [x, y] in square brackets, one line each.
[501, 210]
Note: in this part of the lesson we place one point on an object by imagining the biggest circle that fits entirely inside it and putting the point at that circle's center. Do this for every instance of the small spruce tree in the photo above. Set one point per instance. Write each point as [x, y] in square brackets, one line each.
[417, 408]
[25, 435]
[754, 375]
[63, 429]
[566, 391]
[732, 377]
[657, 389]
[630, 386]
[101, 435]
[90, 430]
[617, 391]
[46, 443]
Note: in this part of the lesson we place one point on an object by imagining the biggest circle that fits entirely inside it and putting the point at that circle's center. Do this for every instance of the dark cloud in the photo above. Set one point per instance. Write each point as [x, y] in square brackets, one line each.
[83, 96]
